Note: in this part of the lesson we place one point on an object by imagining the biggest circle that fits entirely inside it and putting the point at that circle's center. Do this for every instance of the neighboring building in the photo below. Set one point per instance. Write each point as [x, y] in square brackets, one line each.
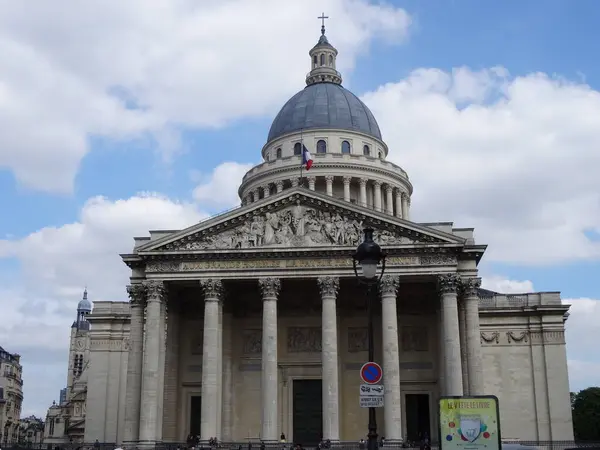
[65, 422]
[281, 351]
[11, 396]
[31, 431]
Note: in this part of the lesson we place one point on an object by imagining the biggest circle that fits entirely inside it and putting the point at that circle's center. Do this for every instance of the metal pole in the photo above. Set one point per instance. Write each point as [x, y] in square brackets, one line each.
[371, 295]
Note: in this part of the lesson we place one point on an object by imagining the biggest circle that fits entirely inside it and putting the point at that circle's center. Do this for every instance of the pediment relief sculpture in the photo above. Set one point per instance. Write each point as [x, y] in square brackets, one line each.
[294, 226]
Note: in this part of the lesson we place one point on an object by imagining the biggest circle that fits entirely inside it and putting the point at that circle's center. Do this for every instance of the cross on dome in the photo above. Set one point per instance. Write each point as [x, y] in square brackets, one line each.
[323, 17]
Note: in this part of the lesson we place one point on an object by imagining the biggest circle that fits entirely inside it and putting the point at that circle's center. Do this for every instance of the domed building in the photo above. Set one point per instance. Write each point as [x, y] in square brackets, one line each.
[253, 323]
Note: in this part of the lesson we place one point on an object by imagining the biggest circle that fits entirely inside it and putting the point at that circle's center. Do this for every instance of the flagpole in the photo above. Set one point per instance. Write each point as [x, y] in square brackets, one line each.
[301, 158]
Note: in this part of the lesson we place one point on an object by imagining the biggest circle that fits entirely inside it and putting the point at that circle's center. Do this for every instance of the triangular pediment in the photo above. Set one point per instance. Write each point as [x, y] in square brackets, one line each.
[297, 218]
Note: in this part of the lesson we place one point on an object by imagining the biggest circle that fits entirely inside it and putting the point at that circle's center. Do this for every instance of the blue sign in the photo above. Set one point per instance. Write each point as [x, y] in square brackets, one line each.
[371, 373]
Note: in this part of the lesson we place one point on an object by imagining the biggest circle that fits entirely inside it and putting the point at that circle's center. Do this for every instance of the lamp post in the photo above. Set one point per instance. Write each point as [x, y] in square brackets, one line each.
[366, 260]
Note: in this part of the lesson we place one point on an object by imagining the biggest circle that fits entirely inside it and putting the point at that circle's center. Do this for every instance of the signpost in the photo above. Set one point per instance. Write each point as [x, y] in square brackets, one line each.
[371, 392]
[371, 373]
[371, 396]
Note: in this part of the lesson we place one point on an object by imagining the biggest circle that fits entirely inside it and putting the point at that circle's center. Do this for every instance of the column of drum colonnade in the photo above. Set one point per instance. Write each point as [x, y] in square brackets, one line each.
[460, 336]
[386, 198]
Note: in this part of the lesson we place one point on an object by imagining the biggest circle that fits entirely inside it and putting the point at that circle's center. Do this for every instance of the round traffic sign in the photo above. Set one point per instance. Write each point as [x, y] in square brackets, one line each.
[371, 373]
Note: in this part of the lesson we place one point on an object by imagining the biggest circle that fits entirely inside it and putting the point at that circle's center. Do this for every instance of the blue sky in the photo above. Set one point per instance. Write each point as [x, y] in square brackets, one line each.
[205, 112]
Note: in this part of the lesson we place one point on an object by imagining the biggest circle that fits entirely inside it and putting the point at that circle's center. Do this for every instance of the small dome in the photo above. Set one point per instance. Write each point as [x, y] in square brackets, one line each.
[84, 304]
[324, 105]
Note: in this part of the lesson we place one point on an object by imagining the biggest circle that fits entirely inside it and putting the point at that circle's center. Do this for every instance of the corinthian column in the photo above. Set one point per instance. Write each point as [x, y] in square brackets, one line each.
[389, 201]
[269, 384]
[331, 421]
[462, 326]
[211, 354]
[474, 357]
[377, 195]
[392, 412]
[329, 185]
[363, 191]
[152, 363]
[311, 182]
[133, 390]
[398, 203]
[404, 201]
[448, 285]
[347, 181]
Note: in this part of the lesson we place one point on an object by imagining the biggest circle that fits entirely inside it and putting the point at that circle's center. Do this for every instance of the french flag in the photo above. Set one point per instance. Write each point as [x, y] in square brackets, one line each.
[306, 158]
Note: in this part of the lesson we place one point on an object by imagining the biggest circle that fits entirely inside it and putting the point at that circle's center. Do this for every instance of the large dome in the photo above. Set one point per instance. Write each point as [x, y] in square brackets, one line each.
[324, 105]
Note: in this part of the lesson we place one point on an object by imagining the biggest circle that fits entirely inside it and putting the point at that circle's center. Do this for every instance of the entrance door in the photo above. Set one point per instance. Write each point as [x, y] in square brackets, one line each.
[195, 414]
[417, 416]
[307, 417]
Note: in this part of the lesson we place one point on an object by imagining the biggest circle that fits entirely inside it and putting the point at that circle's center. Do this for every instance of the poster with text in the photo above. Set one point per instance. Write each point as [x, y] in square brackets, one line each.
[470, 423]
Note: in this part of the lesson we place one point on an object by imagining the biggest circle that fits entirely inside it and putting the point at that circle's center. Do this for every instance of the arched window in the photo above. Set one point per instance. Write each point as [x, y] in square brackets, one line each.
[278, 153]
[380, 155]
[315, 61]
[321, 146]
[366, 150]
[298, 146]
[345, 147]
[322, 59]
[331, 60]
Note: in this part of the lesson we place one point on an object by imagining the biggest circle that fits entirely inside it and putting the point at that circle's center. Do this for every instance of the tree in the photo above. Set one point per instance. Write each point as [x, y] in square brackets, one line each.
[586, 414]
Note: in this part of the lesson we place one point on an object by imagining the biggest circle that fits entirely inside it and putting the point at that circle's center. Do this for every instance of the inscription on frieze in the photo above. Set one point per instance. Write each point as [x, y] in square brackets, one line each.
[252, 342]
[304, 339]
[357, 339]
[415, 339]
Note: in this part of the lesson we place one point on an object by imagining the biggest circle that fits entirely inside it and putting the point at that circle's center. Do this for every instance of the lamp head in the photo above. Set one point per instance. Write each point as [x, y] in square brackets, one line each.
[368, 255]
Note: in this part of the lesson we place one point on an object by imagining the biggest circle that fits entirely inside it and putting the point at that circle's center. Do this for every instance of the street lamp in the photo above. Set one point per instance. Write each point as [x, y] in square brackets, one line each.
[365, 260]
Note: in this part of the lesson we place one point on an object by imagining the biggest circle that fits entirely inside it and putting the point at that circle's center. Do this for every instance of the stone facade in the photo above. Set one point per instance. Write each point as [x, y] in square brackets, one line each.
[251, 323]
[11, 396]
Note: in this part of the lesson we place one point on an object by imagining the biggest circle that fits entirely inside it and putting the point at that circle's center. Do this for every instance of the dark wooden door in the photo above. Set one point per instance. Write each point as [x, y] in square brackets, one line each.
[195, 414]
[417, 417]
[307, 412]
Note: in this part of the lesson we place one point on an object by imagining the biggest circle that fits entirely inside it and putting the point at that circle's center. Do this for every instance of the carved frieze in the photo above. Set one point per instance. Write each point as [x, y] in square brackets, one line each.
[292, 226]
[162, 266]
[438, 260]
[517, 337]
[252, 342]
[523, 337]
[490, 338]
[415, 339]
[108, 345]
[304, 339]
[357, 339]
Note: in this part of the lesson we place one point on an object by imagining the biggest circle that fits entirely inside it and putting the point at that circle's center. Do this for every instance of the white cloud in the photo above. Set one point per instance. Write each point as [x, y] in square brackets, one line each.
[503, 285]
[220, 187]
[129, 70]
[516, 158]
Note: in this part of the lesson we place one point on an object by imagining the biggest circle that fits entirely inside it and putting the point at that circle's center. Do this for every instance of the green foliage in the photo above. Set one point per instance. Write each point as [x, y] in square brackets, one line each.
[586, 414]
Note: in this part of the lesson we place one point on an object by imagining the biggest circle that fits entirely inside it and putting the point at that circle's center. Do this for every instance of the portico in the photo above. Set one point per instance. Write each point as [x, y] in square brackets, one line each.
[254, 326]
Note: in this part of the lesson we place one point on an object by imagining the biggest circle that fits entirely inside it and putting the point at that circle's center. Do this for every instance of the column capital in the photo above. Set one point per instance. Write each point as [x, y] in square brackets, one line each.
[329, 178]
[156, 290]
[377, 184]
[311, 179]
[212, 289]
[329, 286]
[389, 285]
[469, 287]
[347, 179]
[269, 288]
[266, 188]
[404, 196]
[137, 294]
[295, 182]
[398, 191]
[279, 185]
[389, 188]
[448, 283]
[363, 181]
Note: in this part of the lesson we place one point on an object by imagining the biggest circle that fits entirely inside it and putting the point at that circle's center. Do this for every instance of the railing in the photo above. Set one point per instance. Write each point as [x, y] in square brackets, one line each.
[509, 301]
